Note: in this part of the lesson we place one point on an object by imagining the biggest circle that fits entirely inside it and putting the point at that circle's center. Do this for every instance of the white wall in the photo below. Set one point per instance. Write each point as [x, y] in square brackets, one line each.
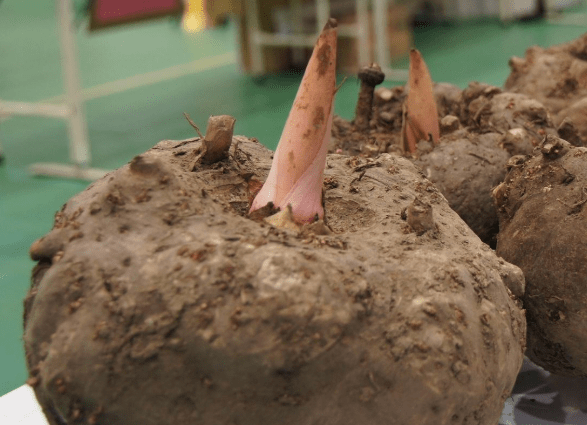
[463, 9]
[510, 9]
[506, 9]
[560, 4]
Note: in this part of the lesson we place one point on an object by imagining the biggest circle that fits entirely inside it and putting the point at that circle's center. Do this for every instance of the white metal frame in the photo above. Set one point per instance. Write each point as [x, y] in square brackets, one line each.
[512, 9]
[554, 15]
[258, 38]
[71, 110]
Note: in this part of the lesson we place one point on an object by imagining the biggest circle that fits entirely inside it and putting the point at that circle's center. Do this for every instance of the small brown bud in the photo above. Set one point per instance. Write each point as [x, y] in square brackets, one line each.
[370, 77]
[420, 217]
[218, 138]
[553, 147]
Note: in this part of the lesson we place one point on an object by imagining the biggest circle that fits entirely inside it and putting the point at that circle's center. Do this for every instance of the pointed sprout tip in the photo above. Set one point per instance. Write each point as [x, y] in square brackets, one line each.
[331, 23]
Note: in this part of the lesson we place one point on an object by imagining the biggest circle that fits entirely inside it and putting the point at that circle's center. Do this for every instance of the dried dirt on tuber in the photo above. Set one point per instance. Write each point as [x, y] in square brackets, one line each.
[156, 299]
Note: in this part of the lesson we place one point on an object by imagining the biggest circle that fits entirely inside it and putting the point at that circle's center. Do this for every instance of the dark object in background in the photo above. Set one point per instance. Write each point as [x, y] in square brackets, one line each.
[546, 399]
[107, 13]
[538, 13]
[427, 14]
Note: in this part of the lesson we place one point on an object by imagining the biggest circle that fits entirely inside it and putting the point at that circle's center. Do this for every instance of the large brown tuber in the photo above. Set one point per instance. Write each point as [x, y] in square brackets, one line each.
[157, 300]
[465, 169]
[543, 230]
[171, 291]
[557, 77]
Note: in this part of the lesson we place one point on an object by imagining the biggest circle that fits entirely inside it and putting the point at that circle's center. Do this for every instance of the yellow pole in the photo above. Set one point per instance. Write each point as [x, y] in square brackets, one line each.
[195, 18]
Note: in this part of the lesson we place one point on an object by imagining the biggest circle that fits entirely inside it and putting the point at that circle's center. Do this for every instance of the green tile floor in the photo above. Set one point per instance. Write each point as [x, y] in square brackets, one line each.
[126, 123]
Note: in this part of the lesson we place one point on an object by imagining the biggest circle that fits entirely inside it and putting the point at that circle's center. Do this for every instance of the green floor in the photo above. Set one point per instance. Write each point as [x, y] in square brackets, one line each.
[126, 123]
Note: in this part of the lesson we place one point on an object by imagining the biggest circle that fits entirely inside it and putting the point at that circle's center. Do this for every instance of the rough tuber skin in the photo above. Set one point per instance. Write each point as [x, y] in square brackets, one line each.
[465, 170]
[542, 218]
[480, 127]
[156, 299]
[555, 76]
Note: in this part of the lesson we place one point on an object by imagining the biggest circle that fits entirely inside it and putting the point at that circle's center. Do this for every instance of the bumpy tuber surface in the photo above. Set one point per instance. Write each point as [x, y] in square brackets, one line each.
[480, 126]
[543, 230]
[557, 77]
[156, 299]
[465, 169]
